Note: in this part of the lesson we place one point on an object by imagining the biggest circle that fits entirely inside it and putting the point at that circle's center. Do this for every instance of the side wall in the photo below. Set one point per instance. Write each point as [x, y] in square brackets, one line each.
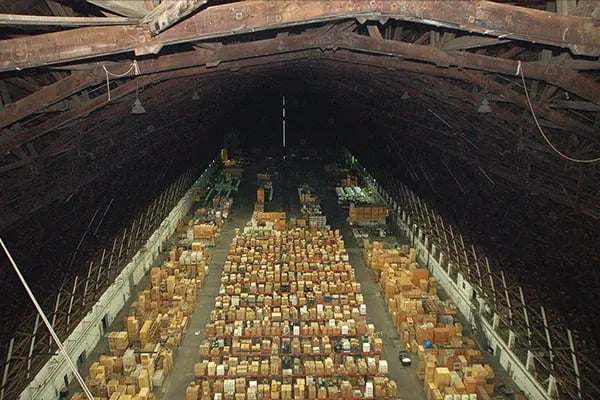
[461, 292]
[50, 380]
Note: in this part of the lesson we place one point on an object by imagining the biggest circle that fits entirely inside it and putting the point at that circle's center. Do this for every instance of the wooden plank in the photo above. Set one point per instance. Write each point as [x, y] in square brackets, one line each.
[472, 42]
[168, 13]
[569, 80]
[575, 105]
[47, 20]
[12, 140]
[25, 82]
[78, 81]
[59, 9]
[580, 34]
[374, 31]
[127, 8]
[48, 95]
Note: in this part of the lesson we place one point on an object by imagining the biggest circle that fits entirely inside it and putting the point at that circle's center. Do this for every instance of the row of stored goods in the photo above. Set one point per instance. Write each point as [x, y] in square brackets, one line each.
[365, 213]
[289, 322]
[140, 356]
[311, 207]
[449, 363]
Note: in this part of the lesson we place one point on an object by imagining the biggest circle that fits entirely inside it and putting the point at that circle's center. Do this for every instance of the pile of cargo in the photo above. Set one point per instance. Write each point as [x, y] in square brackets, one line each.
[207, 222]
[352, 194]
[265, 185]
[449, 362]
[141, 356]
[289, 323]
[367, 213]
[311, 207]
[271, 220]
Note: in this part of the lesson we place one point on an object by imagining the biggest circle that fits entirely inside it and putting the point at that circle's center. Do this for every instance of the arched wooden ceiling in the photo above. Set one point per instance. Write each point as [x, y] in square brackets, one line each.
[423, 66]
[449, 57]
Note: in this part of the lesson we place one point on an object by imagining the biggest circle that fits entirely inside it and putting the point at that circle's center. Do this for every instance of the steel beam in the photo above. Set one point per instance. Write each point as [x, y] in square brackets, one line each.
[71, 300]
[6, 368]
[578, 33]
[32, 344]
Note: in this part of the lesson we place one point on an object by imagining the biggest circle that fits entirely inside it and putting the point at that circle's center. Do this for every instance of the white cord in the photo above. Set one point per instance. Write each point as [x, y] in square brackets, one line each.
[79, 378]
[134, 66]
[520, 72]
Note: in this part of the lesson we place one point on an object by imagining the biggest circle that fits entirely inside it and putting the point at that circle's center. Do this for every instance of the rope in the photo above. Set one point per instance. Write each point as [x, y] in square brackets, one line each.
[134, 66]
[576, 160]
[86, 390]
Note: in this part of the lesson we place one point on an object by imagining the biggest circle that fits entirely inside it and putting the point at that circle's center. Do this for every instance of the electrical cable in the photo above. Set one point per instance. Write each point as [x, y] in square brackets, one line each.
[520, 72]
[134, 66]
[78, 376]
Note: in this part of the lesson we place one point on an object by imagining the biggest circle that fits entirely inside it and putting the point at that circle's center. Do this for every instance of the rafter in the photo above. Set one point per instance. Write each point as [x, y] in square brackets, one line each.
[473, 77]
[18, 139]
[472, 42]
[78, 81]
[568, 79]
[51, 20]
[578, 33]
[169, 13]
[48, 95]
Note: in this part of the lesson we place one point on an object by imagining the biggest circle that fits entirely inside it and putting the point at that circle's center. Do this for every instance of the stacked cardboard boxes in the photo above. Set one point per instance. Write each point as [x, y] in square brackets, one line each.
[204, 232]
[367, 213]
[288, 316]
[118, 343]
[449, 363]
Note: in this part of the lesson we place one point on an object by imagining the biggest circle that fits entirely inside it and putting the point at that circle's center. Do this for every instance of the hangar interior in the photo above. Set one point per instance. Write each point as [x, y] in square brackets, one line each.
[482, 118]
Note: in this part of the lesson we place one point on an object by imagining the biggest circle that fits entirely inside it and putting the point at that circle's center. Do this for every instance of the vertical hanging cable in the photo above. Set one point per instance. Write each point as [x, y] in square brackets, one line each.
[537, 124]
[134, 66]
[86, 390]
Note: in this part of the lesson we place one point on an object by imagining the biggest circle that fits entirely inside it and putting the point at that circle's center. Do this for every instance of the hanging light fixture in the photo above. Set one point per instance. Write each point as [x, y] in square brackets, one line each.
[137, 108]
[405, 96]
[195, 95]
[484, 107]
